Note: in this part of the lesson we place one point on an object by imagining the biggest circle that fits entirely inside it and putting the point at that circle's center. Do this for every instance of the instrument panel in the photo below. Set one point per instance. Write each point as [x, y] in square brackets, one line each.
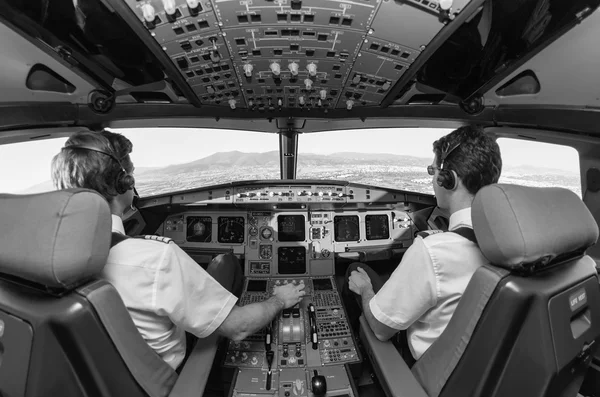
[298, 242]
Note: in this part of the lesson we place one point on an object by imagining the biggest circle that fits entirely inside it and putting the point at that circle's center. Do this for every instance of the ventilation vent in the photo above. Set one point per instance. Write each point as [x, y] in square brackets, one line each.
[525, 83]
[42, 78]
[426, 98]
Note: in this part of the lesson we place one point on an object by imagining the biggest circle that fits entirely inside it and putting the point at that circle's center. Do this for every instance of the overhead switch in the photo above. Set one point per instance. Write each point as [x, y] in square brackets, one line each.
[308, 83]
[312, 69]
[248, 69]
[323, 94]
[356, 79]
[349, 104]
[296, 4]
[232, 103]
[293, 68]
[386, 86]
[301, 100]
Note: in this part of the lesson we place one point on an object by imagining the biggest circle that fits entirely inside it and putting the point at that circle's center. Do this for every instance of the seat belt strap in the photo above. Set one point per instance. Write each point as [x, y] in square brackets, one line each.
[467, 233]
[117, 238]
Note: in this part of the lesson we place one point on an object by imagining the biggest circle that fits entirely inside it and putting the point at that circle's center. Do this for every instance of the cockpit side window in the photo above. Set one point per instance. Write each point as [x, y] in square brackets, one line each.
[533, 163]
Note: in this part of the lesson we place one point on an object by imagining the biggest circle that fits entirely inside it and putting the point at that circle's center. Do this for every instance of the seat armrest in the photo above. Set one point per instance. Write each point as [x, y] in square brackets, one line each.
[194, 375]
[395, 377]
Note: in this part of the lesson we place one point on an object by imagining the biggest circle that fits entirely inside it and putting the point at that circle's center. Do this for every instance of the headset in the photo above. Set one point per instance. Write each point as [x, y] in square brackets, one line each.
[447, 178]
[123, 181]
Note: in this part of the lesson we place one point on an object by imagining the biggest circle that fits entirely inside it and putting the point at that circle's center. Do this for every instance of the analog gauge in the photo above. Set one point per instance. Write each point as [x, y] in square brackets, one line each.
[266, 233]
[266, 251]
[231, 229]
[346, 228]
[253, 231]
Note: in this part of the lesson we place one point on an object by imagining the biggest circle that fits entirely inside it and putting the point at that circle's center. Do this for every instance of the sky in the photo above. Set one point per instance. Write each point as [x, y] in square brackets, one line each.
[26, 164]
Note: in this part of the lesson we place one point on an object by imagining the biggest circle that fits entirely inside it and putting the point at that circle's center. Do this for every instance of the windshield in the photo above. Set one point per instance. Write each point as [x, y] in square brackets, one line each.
[168, 160]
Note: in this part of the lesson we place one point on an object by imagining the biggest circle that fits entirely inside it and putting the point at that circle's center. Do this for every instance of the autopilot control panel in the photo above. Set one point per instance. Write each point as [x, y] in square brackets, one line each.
[304, 350]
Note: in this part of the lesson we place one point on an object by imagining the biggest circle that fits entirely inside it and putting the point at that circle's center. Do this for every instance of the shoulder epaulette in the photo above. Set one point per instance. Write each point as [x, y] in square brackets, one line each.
[162, 239]
[427, 233]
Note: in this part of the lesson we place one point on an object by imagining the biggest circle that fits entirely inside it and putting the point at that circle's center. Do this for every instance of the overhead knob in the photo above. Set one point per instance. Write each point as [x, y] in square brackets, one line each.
[193, 4]
[323, 94]
[349, 104]
[356, 79]
[279, 102]
[232, 103]
[301, 100]
[293, 68]
[275, 68]
[445, 4]
[170, 7]
[386, 86]
[308, 83]
[248, 69]
[312, 69]
[149, 13]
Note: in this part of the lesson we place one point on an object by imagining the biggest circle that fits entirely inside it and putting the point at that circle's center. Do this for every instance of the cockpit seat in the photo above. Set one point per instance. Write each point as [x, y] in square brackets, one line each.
[62, 331]
[528, 322]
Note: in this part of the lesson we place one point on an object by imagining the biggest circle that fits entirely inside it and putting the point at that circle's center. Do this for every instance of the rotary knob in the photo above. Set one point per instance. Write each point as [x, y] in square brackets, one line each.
[275, 68]
[308, 83]
[149, 13]
[312, 69]
[248, 69]
[323, 94]
[293, 68]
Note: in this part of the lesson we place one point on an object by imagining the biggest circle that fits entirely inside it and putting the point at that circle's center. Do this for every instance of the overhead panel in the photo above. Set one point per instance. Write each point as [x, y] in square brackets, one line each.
[275, 54]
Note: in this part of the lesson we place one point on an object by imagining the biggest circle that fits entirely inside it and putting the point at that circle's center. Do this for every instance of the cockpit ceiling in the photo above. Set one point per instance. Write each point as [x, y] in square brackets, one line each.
[567, 70]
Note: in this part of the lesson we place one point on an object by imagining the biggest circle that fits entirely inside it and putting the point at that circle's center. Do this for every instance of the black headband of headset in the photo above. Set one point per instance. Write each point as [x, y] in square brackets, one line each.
[93, 149]
[446, 152]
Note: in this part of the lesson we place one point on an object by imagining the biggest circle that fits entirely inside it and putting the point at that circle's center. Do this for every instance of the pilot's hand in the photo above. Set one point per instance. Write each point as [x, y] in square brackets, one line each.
[289, 294]
[359, 281]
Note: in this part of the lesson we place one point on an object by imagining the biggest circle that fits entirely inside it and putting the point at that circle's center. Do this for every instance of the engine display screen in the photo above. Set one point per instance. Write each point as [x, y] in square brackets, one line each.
[346, 228]
[257, 286]
[378, 227]
[199, 229]
[231, 229]
[291, 228]
[292, 260]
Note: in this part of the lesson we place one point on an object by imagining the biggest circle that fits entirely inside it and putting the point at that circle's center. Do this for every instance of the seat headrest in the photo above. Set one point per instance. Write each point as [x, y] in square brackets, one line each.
[56, 239]
[518, 226]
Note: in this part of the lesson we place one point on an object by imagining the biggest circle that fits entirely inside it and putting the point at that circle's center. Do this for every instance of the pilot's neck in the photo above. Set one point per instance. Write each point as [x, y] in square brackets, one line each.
[460, 202]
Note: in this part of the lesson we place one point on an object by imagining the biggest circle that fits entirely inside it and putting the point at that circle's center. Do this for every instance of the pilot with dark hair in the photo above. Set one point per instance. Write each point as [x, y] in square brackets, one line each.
[166, 292]
[423, 291]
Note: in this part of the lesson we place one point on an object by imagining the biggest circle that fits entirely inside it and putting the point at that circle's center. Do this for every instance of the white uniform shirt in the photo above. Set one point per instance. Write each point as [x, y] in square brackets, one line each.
[166, 293]
[423, 291]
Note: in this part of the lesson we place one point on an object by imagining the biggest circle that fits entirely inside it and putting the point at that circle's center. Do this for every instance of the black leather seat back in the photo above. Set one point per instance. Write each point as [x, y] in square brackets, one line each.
[57, 346]
[62, 332]
[531, 338]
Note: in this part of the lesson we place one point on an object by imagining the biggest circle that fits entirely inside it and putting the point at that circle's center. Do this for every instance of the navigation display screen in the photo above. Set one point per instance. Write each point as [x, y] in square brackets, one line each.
[231, 229]
[292, 260]
[346, 228]
[199, 229]
[291, 228]
[378, 227]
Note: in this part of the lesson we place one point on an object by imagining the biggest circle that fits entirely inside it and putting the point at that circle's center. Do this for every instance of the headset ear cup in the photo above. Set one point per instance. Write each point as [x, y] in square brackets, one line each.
[124, 182]
[453, 180]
